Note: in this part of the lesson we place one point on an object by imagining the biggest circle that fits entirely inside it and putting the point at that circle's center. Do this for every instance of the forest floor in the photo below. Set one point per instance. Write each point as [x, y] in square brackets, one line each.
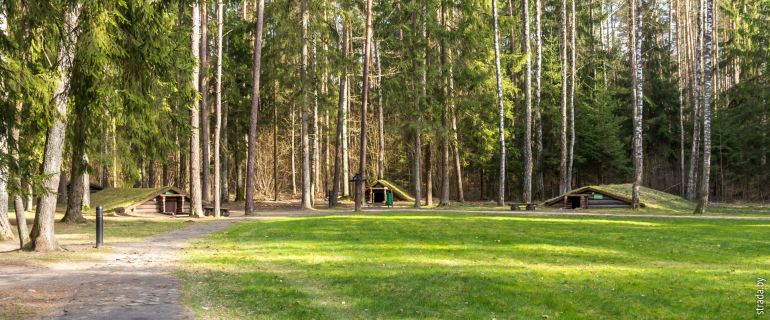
[137, 274]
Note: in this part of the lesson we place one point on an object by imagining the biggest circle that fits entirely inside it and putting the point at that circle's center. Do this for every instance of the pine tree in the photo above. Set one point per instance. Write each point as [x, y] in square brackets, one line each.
[196, 206]
[42, 236]
[704, 189]
[252, 143]
[527, 108]
[638, 109]
[361, 182]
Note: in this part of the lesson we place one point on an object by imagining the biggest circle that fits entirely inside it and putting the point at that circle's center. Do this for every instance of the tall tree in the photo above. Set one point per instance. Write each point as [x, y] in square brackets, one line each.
[703, 200]
[638, 108]
[563, 159]
[527, 108]
[445, 110]
[540, 187]
[251, 160]
[196, 206]
[204, 108]
[218, 111]
[500, 105]
[42, 236]
[341, 105]
[6, 232]
[573, 63]
[307, 202]
[361, 182]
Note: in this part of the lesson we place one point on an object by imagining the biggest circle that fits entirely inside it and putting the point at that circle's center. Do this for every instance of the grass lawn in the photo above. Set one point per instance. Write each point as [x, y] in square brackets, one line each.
[417, 266]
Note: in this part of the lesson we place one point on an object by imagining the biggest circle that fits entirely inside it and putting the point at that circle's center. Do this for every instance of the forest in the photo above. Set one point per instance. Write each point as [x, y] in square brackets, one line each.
[455, 100]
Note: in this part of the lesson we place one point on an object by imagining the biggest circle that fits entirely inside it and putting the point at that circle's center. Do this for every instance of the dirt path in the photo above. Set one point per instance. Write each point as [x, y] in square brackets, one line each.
[134, 283]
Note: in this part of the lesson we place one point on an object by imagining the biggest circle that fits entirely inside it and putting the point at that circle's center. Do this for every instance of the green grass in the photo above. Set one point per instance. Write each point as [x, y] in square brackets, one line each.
[411, 266]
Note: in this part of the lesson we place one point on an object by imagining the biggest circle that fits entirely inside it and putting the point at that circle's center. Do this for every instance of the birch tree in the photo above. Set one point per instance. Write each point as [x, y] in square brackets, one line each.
[703, 200]
[540, 187]
[573, 63]
[500, 105]
[305, 142]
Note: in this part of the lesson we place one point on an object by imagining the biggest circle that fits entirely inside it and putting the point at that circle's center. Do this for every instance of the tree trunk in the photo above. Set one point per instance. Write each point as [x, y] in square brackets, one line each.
[380, 118]
[342, 102]
[293, 139]
[527, 109]
[539, 183]
[62, 196]
[563, 159]
[455, 139]
[306, 201]
[204, 103]
[444, 200]
[696, 82]
[703, 201]
[429, 175]
[275, 142]
[251, 161]
[225, 191]
[6, 232]
[418, 98]
[501, 106]
[314, 150]
[573, 60]
[42, 236]
[74, 212]
[638, 81]
[196, 207]
[361, 183]
[218, 112]
[19, 205]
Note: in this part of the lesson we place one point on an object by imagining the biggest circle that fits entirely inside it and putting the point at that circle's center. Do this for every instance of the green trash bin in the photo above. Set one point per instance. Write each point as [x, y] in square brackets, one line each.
[389, 198]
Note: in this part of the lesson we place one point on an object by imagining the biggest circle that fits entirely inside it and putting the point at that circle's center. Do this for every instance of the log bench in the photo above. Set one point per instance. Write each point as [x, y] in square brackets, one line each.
[516, 206]
[209, 211]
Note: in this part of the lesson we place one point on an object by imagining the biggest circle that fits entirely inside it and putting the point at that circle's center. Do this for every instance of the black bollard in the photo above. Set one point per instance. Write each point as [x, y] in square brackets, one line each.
[99, 227]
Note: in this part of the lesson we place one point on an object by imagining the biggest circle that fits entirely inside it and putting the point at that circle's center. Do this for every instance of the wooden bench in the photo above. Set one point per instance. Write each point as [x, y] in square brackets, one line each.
[209, 211]
[516, 206]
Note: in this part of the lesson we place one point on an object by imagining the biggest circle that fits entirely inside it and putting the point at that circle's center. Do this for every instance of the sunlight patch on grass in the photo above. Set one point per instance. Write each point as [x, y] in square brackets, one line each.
[408, 266]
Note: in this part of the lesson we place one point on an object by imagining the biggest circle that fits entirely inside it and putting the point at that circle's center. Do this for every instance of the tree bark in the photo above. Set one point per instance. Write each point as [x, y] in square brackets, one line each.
[445, 135]
[573, 63]
[6, 232]
[74, 212]
[361, 183]
[42, 236]
[218, 112]
[638, 81]
[196, 207]
[204, 103]
[251, 161]
[341, 105]
[527, 109]
[500, 105]
[293, 139]
[18, 201]
[703, 201]
[305, 143]
[697, 94]
[563, 159]
[380, 118]
[539, 183]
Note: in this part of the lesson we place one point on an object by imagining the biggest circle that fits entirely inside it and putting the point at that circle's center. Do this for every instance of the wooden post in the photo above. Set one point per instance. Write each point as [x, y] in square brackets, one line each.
[162, 204]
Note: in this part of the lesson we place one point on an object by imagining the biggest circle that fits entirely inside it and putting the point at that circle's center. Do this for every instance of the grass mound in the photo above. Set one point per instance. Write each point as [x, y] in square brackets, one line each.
[111, 199]
[654, 200]
[396, 190]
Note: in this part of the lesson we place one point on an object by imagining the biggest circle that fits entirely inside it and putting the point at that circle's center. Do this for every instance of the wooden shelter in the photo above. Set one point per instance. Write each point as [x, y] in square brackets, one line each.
[377, 192]
[168, 200]
[589, 198]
